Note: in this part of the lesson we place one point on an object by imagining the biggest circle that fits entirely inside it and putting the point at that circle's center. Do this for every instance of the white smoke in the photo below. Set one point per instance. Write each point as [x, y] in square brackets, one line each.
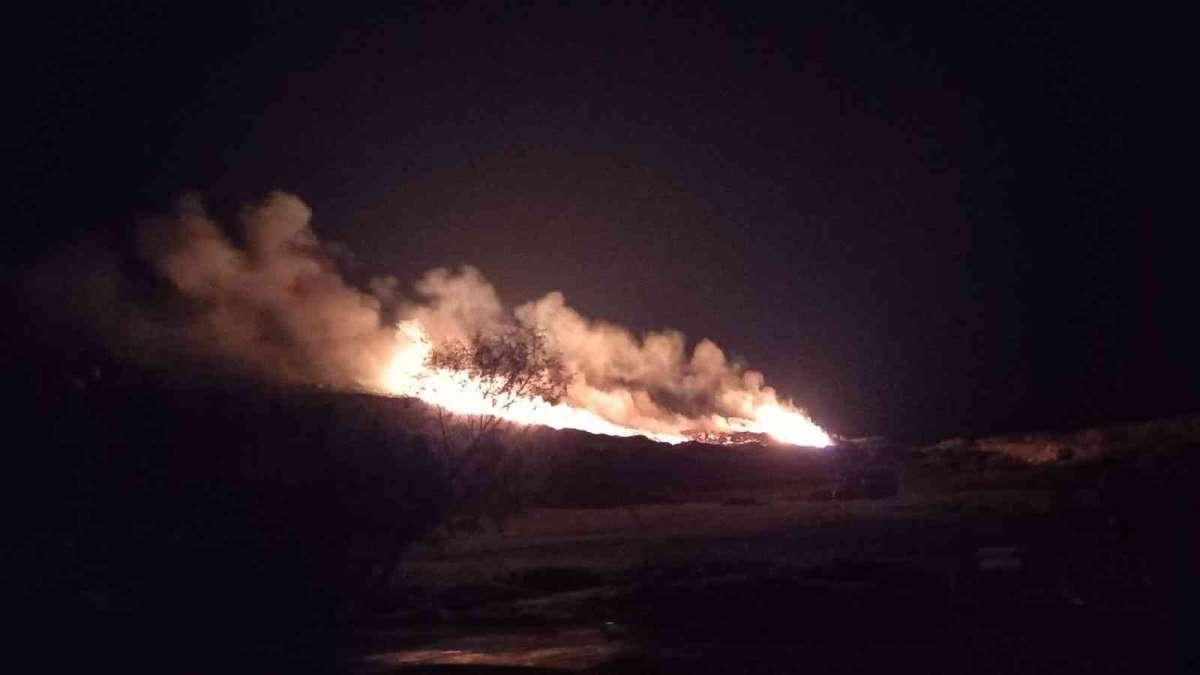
[268, 299]
[649, 382]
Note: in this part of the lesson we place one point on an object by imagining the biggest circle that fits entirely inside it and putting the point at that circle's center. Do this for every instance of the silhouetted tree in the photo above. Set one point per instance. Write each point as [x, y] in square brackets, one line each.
[504, 367]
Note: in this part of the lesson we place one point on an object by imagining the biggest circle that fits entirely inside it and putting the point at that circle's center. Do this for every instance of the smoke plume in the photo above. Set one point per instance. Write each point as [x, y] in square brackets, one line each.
[273, 303]
[267, 298]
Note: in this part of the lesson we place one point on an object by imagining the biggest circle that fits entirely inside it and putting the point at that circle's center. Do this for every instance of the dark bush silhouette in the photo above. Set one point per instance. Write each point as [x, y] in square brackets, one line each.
[220, 514]
[487, 473]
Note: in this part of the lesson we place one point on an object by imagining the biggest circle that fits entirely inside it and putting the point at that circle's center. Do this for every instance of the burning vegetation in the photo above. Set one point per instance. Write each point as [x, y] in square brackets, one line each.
[267, 298]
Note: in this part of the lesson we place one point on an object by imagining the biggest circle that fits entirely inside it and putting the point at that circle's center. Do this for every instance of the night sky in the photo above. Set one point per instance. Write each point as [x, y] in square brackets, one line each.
[915, 222]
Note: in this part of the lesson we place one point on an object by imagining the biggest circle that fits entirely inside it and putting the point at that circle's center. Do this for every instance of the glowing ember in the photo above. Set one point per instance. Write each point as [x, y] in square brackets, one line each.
[409, 375]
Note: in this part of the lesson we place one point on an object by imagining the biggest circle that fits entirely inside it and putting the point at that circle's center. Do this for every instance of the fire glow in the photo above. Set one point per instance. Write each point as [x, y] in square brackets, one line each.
[265, 296]
[409, 375]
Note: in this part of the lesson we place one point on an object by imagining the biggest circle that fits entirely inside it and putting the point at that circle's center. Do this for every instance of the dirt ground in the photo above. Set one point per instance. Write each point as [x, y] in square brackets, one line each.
[802, 532]
[995, 580]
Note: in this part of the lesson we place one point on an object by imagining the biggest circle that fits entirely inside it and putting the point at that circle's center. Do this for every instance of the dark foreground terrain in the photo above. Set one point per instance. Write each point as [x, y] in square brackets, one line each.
[230, 528]
[794, 587]
[987, 561]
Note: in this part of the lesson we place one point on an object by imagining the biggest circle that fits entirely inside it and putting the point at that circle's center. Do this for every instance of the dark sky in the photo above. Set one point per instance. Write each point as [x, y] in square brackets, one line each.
[923, 222]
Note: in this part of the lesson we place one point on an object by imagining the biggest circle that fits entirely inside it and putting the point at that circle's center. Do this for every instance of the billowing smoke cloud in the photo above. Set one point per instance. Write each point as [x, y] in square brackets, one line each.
[649, 383]
[263, 298]
[268, 299]
[276, 303]
[456, 306]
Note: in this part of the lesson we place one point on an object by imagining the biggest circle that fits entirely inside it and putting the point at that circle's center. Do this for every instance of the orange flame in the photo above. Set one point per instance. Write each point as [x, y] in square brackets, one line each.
[408, 374]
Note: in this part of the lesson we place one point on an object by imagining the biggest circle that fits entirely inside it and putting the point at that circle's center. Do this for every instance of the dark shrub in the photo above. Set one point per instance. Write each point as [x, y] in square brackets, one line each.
[217, 517]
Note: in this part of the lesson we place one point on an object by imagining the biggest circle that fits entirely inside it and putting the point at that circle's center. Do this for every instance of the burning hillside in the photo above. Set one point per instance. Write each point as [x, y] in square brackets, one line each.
[268, 299]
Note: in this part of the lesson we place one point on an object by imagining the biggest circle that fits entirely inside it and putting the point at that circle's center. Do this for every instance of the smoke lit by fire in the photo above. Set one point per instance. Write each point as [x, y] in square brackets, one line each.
[274, 304]
[410, 375]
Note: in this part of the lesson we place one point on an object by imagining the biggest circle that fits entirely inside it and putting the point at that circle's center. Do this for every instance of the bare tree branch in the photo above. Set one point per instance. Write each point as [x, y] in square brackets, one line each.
[504, 367]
